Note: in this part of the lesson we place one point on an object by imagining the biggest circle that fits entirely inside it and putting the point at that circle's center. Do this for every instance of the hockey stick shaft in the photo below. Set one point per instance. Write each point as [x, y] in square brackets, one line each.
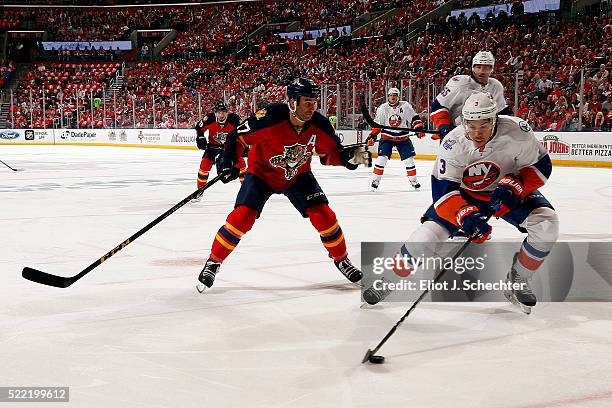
[9, 166]
[364, 143]
[368, 118]
[414, 305]
[48, 279]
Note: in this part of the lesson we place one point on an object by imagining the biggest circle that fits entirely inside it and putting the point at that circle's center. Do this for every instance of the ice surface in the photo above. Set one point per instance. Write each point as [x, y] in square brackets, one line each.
[280, 328]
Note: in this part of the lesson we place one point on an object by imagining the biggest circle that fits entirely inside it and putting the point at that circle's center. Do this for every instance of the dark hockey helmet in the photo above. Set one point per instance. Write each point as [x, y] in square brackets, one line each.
[220, 106]
[302, 87]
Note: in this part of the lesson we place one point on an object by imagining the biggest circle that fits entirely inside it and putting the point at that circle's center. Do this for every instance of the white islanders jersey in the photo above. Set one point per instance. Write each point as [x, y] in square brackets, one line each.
[400, 116]
[460, 87]
[512, 148]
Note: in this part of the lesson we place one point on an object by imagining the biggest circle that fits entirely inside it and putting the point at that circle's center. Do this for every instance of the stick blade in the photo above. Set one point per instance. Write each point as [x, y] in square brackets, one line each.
[45, 278]
[367, 356]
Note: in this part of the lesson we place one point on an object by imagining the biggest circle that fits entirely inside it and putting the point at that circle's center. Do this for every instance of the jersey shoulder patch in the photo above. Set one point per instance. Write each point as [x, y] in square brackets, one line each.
[517, 127]
[448, 143]
[274, 114]
[208, 119]
[524, 126]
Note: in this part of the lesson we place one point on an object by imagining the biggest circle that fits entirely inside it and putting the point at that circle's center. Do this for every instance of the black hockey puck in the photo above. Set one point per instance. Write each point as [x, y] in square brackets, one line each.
[376, 359]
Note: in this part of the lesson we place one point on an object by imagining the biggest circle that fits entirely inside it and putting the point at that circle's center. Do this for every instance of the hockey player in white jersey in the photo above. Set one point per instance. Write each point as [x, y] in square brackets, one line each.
[491, 165]
[446, 107]
[396, 113]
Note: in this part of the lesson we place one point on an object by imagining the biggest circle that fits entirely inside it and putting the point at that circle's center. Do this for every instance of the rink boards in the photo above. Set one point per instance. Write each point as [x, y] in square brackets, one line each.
[566, 148]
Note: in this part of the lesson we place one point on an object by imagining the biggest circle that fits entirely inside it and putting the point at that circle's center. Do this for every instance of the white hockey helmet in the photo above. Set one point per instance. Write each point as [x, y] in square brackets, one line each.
[393, 91]
[479, 105]
[483, 58]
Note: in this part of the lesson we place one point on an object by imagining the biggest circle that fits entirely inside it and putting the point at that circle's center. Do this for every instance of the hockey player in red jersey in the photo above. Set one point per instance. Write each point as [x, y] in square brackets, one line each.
[282, 139]
[218, 124]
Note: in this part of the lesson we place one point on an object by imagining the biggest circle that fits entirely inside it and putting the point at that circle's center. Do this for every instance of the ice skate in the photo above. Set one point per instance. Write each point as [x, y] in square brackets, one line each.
[375, 184]
[414, 182]
[207, 276]
[522, 297]
[349, 270]
[372, 296]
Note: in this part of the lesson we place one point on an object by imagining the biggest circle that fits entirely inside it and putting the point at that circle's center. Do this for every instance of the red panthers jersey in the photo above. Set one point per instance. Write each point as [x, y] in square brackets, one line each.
[278, 152]
[217, 133]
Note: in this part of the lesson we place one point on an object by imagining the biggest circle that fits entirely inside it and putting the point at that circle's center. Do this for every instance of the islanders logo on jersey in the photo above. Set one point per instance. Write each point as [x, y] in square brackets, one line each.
[479, 176]
[292, 158]
[395, 120]
[220, 137]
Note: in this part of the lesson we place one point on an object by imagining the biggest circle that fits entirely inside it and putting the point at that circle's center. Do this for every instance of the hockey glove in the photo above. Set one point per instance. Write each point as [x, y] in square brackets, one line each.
[200, 136]
[417, 124]
[370, 140]
[352, 157]
[506, 196]
[473, 223]
[228, 170]
[444, 130]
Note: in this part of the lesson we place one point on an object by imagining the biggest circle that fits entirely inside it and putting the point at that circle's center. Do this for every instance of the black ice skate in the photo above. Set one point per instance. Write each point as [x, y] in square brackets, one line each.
[372, 296]
[375, 184]
[347, 269]
[415, 183]
[522, 297]
[207, 276]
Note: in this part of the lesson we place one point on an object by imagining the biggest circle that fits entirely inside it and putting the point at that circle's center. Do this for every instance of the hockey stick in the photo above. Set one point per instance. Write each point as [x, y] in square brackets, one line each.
[63, 282]
[10, 166]
[370, 140]
[370, 355]
[368, 118]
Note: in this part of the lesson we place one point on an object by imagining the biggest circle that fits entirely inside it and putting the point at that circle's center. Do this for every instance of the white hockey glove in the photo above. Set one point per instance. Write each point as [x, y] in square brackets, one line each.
[352, 157]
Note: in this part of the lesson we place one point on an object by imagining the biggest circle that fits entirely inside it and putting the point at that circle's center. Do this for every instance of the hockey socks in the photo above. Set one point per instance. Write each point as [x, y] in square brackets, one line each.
[411, 172]
[205, 166]
[238, 223]
[324, 220]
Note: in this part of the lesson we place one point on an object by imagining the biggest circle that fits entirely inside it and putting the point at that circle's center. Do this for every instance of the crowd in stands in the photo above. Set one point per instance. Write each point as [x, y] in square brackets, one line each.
[6, 71]
[539, 58]
[87, 24]
[398, 25]
[49, 91]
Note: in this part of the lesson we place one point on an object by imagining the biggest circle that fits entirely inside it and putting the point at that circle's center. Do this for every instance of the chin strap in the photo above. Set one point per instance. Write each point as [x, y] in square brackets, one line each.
[294, 113]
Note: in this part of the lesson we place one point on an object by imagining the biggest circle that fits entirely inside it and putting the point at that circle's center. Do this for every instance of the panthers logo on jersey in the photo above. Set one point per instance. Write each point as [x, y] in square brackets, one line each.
[220, 137]
[480, 175]
[291, 159]
[395, 120]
